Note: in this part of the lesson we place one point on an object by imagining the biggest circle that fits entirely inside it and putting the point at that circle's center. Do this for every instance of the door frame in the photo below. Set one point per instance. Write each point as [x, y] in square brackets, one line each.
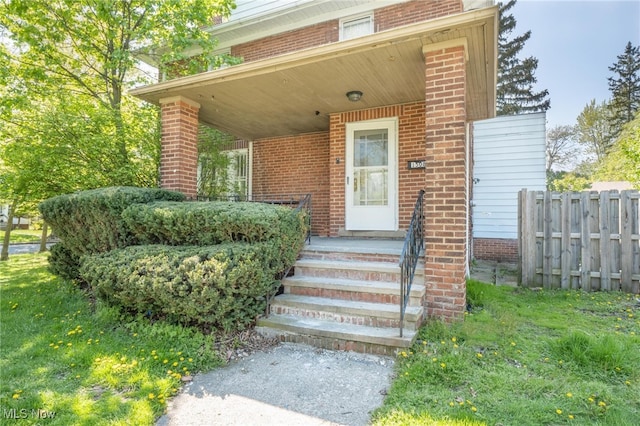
[351, 213]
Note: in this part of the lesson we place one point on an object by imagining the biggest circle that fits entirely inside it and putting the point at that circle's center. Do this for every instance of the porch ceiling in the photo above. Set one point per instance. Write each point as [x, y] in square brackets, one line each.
[296, 92]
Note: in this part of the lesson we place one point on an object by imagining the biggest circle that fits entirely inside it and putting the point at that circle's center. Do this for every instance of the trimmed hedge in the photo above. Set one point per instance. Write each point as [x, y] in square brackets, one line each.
[90, 222]
[207, 223]
[216, 222]
[222, 286]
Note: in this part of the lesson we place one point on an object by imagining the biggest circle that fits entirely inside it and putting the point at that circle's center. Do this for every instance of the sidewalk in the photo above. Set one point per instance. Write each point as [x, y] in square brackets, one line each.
[289, 384]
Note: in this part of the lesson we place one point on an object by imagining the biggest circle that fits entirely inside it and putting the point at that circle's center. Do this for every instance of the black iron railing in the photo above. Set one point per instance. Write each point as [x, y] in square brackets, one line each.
[413, 245]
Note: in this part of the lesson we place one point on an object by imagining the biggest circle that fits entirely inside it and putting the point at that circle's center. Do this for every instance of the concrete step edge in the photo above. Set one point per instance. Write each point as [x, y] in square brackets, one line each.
[348, 307]
[358, 333]
[353, 265]
[345, 284]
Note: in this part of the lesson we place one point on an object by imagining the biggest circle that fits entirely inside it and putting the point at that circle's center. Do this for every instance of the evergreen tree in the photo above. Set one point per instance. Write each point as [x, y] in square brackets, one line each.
[625, 88]
[515, 94]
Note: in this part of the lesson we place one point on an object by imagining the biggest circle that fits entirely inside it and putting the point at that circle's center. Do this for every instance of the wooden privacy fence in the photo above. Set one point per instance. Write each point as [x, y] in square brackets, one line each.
[580, 240]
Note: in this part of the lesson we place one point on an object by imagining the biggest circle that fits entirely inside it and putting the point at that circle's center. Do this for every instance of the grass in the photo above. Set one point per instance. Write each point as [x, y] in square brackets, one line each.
[23, 236]
[523, 357]
[83, 363]
[520, 357]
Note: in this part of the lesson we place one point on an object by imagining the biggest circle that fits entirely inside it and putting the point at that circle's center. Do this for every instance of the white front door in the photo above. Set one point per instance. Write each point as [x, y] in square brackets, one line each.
[372, 176]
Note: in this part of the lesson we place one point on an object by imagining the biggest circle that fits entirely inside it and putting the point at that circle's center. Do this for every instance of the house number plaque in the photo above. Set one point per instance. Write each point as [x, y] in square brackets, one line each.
[415, 164]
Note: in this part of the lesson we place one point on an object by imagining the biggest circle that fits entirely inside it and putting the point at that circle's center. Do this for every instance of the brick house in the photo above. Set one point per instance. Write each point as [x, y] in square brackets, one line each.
[361, 104]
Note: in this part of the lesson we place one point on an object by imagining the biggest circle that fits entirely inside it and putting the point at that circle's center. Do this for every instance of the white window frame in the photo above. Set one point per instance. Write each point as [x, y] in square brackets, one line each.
[353, 18]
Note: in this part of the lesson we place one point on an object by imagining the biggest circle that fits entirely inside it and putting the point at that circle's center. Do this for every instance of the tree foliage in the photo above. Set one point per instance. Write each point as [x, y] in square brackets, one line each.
[594, 129]
[66, 122]
[625, 87]
[561, 149]
[623, 161]
[212, 162]
[515, 93]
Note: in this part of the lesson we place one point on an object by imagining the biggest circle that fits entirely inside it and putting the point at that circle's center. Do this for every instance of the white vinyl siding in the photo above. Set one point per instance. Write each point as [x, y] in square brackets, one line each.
[509, 155]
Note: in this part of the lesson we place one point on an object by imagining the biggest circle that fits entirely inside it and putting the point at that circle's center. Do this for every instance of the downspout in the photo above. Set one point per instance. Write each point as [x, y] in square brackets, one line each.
[468, 188]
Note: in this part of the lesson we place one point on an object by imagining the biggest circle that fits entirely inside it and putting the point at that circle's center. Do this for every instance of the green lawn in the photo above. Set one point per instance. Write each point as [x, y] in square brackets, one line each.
[523, 357]
[84, 363]
[23, 236]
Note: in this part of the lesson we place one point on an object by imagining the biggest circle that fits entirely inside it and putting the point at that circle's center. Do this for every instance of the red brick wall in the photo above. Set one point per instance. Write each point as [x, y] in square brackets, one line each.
[179, 159]
[303, 38]
[295, 165]
[410, 147]
[496, 249]
[329, 32]
[445, 182]
[414, 11]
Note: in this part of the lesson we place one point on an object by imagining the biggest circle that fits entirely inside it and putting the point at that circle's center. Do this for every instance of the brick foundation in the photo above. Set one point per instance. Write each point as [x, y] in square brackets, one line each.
[496, 249]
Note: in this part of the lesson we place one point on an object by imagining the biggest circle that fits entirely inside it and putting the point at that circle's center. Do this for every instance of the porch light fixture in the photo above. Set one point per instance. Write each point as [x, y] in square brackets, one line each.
[354, 95]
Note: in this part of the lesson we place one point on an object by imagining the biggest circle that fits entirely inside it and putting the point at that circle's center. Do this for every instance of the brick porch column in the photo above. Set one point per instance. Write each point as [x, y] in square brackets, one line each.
[179, 158]
[445, 205]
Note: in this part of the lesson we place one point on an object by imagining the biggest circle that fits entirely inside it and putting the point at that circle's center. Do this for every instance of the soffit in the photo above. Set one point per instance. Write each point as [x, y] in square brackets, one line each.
[296, 93]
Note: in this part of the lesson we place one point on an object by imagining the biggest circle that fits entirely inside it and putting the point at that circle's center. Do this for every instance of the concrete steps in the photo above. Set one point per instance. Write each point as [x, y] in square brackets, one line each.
[347, 298]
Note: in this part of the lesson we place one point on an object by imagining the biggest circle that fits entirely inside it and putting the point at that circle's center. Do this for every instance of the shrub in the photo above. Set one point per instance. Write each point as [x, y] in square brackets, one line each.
[222, 286]
[63, 263]
[90, 221]
[209, 223]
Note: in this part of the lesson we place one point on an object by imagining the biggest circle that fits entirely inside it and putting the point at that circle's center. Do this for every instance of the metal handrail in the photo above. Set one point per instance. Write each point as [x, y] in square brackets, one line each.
[413, 245]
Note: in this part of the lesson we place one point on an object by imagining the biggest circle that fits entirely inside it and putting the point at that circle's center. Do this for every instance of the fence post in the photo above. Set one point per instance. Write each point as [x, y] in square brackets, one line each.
[605, 241]
[585, 241]
[626, 246]
[547, 262]
[522, 194]
[527, 233]
[565, 277]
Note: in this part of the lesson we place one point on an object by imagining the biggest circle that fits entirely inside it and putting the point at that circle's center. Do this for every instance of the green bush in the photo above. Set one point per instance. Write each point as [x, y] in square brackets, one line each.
[222, 287]
[63, 262]
[209, 223]
[90, 221]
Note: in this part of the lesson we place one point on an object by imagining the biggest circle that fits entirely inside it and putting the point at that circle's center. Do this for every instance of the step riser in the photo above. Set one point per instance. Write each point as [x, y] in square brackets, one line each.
[392, 299]
[369, 321]
[350, 257]
[353, 274]
[336, 344]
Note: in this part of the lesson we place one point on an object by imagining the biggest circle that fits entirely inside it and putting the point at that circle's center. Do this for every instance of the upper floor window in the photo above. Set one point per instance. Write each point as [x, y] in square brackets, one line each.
[358, 26]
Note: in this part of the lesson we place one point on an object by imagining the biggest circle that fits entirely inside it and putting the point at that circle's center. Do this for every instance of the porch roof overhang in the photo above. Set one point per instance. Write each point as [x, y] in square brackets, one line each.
[295, 93]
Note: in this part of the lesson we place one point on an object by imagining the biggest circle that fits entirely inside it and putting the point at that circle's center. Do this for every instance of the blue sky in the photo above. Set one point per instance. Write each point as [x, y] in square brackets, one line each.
[575, 43]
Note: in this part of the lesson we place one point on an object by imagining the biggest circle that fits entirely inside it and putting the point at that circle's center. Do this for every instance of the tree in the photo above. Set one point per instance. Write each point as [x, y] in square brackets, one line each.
[212, 163]
[515, 94]
[66, 122]
[560, 146]
[623, 161]
[594, 129]
[625, 87]
[86, 47]
[568, 181]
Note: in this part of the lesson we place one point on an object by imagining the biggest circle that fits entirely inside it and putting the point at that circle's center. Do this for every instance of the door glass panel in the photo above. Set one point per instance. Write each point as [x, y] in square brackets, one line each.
[370, 168]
